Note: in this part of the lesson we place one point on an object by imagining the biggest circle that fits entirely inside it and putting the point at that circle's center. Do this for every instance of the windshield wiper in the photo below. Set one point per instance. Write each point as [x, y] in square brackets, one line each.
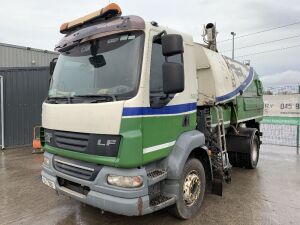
[98, 97]
[68, 98]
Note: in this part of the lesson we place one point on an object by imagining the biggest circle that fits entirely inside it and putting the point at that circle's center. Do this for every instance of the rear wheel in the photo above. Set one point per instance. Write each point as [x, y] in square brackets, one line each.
[251, 159]
[191, 191]
[248, 160]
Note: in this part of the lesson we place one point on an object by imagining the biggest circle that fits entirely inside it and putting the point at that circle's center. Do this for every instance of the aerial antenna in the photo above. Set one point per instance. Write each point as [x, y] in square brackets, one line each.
[210, 36]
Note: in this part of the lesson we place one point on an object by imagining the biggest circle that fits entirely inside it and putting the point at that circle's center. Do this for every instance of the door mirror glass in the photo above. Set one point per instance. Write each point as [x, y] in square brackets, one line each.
[52, 65]
[173, 78]
[172, 44]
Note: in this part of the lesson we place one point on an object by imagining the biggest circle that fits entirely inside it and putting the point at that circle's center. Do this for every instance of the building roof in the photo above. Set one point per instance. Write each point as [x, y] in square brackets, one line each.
[27, 48]
[20, 56]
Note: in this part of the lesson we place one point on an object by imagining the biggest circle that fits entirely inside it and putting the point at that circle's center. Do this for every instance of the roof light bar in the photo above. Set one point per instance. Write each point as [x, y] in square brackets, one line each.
[109, 11]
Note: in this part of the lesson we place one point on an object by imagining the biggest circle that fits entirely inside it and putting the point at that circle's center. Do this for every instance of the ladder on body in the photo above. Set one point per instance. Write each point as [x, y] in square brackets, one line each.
[225, 165]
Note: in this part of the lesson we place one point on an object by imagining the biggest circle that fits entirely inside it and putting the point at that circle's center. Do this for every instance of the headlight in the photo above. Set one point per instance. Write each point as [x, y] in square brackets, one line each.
[125, 181]
[46, 161]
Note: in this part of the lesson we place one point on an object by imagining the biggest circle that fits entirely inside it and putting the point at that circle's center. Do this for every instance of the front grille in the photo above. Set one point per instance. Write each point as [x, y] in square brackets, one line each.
[78, 169]
[72, 141]
[93, 144]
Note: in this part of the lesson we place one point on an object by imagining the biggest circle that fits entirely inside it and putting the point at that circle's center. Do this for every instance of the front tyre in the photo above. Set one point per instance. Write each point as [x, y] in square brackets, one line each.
[191, 191]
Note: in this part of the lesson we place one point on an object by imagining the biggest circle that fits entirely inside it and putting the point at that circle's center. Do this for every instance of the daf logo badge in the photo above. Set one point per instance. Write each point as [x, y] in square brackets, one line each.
[48, 137]
[107, 143]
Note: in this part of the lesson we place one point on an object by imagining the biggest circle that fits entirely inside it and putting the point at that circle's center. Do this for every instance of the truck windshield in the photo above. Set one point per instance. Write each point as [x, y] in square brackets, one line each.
[106, 67]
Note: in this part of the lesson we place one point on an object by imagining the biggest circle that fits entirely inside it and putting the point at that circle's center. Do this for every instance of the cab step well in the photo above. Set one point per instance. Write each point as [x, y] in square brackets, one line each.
[155, 176]
[161, 201]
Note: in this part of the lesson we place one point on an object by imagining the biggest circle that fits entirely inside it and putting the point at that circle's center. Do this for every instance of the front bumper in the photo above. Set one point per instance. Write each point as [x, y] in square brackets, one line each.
[125, 201]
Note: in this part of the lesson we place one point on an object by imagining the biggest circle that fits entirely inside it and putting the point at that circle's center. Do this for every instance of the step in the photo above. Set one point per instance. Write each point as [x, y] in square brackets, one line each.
[156, 176]
[161, 201]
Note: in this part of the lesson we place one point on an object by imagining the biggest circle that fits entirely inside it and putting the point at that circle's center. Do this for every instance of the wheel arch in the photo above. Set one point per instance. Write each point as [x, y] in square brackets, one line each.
[189, 144]
[202, 154]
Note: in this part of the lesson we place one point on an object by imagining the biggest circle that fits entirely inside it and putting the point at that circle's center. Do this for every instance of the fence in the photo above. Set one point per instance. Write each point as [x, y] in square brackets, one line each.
[282, 89]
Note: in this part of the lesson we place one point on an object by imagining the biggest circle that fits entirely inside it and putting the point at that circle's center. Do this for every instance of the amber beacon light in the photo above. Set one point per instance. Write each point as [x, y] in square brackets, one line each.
[109, 11]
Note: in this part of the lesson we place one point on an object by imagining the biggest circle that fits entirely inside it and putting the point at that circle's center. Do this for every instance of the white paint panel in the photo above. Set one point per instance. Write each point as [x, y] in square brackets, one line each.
[99, 118]
[221, 77]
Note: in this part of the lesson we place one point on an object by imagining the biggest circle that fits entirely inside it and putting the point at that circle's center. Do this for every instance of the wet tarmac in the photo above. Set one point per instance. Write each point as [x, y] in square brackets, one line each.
[268, 195]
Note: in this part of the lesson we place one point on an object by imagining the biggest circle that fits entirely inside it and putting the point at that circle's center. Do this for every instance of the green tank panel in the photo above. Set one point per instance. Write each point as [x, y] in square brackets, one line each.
[248, 106]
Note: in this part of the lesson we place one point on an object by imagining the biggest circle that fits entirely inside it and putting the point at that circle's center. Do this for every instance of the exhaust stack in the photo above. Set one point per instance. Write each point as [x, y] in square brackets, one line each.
[210, 36]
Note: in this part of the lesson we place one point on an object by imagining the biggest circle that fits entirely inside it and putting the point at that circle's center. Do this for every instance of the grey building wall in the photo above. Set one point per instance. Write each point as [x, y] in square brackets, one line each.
[24, 91]
[26, 77]
[18, 56]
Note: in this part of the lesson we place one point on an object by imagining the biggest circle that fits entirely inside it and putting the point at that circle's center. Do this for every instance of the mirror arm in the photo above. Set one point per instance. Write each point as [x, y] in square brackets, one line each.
[157, 38]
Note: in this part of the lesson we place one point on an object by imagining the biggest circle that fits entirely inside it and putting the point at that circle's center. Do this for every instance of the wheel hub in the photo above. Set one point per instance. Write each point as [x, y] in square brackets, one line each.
[191, 188]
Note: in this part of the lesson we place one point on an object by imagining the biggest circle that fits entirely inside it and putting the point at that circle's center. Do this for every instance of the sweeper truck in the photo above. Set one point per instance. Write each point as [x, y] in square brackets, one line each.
[139, 117]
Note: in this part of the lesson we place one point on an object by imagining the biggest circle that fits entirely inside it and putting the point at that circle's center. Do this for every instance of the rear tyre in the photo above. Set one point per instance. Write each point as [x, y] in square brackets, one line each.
[192, 185]
[251, 159]
[235, 159]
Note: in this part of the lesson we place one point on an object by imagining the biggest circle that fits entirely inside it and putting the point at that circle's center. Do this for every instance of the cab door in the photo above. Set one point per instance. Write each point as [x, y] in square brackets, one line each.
[164, 117]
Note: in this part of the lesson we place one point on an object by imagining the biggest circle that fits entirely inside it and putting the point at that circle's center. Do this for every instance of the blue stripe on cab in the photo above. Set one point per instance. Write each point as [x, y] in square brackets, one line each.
[172, 109]
[242, 87]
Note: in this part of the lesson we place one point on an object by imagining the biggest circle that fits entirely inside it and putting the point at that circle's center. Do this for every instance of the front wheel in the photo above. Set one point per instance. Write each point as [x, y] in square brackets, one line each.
[191, 191]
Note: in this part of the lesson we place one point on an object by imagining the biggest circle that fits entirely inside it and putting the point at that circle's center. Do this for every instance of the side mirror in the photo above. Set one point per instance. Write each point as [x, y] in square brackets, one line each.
[173, 77]
[172, 44]
[52, 65]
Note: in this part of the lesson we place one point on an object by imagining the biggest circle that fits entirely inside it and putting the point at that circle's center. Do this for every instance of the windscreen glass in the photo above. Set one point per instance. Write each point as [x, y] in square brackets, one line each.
[109, 66]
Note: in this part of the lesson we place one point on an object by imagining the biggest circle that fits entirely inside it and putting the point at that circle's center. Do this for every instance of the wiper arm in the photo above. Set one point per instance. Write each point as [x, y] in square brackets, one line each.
[68, 98]
[112, 97]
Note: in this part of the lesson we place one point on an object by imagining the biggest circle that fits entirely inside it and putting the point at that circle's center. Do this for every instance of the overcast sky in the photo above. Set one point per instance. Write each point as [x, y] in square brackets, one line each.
[36, 23]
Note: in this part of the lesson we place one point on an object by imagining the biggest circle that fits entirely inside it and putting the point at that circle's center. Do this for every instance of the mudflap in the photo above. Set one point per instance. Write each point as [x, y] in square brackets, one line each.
[217, 184]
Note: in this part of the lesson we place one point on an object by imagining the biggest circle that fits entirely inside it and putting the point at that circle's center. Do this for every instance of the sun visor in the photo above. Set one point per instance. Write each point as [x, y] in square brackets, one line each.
[101, 28]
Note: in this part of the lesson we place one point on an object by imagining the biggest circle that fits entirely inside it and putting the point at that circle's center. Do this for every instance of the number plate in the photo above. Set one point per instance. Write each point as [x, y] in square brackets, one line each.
[48, 182]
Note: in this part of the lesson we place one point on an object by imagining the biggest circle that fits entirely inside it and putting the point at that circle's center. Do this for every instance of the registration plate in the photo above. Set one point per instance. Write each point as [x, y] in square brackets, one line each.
[48, 182]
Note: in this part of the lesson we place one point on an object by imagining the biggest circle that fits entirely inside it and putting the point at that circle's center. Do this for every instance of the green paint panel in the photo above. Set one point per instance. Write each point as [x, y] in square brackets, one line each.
[163, 129]
[108, 161]
[144, 132]
[250, 104]
[226, 114]
[150, 157]
[130, 151]
[248, 107]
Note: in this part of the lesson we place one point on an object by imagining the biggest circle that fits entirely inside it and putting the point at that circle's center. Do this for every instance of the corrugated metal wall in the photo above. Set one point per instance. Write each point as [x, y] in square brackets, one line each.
[24, 91]
[18, 56]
